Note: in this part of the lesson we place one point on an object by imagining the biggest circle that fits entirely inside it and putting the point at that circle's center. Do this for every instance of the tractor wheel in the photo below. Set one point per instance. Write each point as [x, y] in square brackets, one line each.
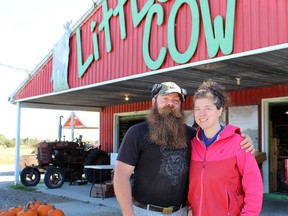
[30, 176]
[97, 157]
[54, 178]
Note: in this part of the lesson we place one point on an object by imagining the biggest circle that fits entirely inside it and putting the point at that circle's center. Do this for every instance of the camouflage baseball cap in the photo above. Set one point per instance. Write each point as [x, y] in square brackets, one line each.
[171, 87]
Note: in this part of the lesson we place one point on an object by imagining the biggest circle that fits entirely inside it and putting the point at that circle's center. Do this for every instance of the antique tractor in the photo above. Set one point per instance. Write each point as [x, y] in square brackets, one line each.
[63, 160]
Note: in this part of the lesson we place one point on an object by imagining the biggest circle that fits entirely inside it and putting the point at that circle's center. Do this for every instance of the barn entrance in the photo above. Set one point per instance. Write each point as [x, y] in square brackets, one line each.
[122, 122]
[278, 113]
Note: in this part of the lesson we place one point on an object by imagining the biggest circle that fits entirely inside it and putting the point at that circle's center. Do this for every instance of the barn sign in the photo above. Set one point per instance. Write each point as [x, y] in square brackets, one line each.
[219, 33]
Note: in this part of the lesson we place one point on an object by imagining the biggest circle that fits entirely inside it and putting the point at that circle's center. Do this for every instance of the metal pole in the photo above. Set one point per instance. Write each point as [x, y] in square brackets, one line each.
[17, 146]
[72, 126]
[60, 129]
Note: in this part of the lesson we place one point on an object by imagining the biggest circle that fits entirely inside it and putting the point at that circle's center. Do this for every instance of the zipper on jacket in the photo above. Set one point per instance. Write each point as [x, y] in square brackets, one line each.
[202, 186]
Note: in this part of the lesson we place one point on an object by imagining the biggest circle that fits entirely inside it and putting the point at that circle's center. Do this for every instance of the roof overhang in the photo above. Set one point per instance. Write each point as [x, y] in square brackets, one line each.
[259, 68]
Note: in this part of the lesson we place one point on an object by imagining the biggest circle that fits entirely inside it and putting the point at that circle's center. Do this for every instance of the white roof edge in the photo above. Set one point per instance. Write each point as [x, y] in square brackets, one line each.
[60, 107]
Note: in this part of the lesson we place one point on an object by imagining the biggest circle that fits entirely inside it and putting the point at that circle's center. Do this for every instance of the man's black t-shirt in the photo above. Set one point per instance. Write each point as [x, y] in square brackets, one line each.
[161, 173]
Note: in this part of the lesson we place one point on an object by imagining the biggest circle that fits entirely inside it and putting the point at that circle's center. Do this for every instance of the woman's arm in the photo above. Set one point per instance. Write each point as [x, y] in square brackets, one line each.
[252, 184]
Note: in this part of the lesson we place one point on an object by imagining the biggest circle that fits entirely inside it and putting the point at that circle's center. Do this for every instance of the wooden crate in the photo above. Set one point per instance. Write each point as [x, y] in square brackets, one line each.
[107, 190]
[260, 157]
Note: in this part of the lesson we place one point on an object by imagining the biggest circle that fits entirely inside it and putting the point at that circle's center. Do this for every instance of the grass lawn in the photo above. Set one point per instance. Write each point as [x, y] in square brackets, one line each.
[7, 155]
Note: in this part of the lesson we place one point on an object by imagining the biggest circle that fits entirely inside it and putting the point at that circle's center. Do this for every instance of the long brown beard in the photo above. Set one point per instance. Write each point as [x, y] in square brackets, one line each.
[166, 127]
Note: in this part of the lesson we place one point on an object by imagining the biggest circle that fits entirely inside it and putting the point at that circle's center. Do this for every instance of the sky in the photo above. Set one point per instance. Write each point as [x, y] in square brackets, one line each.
[28, 31]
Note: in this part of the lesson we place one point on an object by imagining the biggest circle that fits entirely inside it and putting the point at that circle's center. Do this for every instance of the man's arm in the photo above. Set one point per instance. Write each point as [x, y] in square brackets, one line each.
[122, 187]
[247, 143]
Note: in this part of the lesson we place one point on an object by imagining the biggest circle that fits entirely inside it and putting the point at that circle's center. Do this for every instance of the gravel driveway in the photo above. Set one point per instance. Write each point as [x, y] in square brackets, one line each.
[12, 197]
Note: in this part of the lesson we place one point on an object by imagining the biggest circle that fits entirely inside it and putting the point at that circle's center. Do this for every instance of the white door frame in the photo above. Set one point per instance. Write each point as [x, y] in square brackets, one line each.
[265, 136]
[116, 126]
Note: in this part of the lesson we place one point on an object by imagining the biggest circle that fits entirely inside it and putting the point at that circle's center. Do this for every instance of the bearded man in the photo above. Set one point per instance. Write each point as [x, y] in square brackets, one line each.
[157, 151]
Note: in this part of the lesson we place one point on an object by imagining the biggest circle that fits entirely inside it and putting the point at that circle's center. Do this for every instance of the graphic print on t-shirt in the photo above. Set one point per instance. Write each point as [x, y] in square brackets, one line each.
[173, 163]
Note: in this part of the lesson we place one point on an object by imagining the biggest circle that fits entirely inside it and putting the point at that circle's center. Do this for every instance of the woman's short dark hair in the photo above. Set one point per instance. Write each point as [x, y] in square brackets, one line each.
[213, 90]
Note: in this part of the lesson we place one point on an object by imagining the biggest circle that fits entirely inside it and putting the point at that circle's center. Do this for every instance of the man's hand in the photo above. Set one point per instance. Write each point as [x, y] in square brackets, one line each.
[247, 143]
[189, 212]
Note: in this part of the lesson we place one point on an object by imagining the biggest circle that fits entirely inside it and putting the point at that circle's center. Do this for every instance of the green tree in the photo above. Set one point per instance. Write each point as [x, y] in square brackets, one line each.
[9, 143]
[2, 139]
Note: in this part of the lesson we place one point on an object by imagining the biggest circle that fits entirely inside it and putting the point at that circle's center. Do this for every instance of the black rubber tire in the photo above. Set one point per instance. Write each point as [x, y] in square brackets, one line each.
[54, 178]
[97, 157]
[30, 176]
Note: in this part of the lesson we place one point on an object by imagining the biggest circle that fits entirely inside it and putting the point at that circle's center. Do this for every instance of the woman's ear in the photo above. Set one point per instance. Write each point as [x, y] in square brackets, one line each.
[221, 110]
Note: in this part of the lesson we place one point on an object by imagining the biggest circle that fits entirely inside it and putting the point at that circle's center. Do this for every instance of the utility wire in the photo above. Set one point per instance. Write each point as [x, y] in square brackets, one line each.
[27, 71]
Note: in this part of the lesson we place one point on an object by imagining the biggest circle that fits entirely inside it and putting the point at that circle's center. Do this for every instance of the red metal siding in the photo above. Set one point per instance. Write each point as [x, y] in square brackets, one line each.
[106, 119]
[39, 83]
[239, 98]
[254, 96]
[258, 23]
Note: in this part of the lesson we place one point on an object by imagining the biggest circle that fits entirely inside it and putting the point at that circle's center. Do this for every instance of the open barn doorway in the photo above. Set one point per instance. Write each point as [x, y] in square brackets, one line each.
[278, 116]
[122, 122]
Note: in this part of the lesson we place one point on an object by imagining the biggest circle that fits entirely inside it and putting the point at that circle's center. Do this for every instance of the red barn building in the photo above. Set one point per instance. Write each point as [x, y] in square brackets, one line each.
[121, 48]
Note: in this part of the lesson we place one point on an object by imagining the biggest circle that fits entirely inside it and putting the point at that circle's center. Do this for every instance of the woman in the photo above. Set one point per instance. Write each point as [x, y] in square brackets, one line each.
[224, 180]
